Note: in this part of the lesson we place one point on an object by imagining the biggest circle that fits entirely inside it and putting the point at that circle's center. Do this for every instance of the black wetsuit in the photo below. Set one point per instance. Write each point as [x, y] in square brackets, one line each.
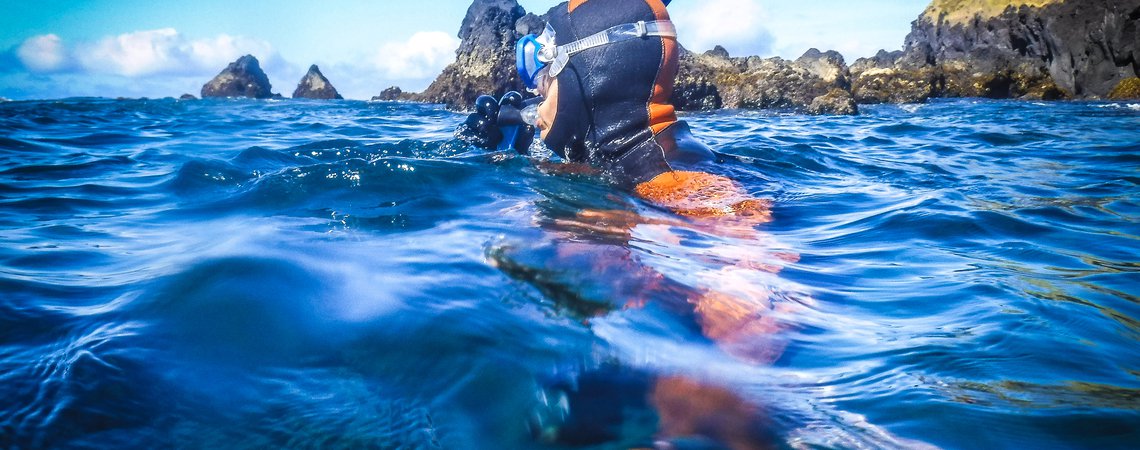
[674, 148]
[613, 100]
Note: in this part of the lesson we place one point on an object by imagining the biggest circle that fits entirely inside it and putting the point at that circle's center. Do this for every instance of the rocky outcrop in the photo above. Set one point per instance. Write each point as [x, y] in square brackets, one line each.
[698, 80]
[817, 82]
[888, 78]
[485, 60]
[187, 97]
[531, 24]
[242, 78]
[485, 64]
[394, 94]
[314, 85]
[1033, 49]
[1030, 49]
[835, 102]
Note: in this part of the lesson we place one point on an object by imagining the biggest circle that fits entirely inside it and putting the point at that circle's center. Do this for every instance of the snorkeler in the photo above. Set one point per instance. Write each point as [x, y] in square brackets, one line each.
[604, 71]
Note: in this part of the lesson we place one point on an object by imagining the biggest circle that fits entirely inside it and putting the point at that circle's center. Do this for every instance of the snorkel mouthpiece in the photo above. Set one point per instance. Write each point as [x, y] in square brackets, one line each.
[525, 113]
[530, 113]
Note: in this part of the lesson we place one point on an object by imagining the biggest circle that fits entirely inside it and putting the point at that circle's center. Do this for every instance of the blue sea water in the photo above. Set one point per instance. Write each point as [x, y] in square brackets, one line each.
[294, 274]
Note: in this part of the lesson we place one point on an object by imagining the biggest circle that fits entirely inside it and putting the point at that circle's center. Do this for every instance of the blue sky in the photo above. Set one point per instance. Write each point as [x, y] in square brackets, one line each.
[136, 48]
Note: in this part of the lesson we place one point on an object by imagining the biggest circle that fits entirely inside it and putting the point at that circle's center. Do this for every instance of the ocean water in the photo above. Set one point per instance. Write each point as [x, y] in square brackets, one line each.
[293, 274]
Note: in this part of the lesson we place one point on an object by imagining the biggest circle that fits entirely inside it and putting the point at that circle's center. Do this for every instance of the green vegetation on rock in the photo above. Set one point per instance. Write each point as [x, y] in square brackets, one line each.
[962, 11]
[1128, 89]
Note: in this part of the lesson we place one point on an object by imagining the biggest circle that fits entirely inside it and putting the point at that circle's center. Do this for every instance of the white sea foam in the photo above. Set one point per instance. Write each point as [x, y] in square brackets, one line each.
[1132, 106]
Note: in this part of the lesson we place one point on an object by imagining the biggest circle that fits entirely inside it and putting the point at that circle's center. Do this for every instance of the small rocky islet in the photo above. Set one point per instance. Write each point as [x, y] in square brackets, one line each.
[245, 78]
[241, 78]
[315, 86]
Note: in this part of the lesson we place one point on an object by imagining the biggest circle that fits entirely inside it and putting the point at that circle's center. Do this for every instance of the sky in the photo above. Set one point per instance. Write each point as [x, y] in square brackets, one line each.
[150, 48]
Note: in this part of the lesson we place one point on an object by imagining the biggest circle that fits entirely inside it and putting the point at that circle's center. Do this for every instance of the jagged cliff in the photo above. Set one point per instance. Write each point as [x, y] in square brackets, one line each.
[1038, 49]
[485, 60]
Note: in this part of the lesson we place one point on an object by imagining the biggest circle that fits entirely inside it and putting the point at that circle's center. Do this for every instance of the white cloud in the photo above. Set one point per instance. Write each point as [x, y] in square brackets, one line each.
[738, 25]
[44, 53]
[165, 51]
[224, 49]
[143, 63]
[425, 54]
[141, 53]
[133, 54]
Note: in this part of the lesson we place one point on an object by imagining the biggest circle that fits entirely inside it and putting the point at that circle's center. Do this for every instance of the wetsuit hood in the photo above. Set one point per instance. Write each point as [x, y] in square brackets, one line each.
[613, 99]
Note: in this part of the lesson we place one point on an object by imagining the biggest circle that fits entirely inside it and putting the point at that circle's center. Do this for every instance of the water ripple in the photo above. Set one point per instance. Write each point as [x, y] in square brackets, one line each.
[229, 273]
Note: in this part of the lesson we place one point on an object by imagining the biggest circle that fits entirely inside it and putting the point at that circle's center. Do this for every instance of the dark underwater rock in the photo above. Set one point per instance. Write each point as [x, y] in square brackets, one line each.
[242, 78]
[314, 85]
[1006, 49]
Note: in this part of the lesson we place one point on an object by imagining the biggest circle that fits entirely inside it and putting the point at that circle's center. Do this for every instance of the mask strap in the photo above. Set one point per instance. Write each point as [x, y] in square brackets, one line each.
[624, 32]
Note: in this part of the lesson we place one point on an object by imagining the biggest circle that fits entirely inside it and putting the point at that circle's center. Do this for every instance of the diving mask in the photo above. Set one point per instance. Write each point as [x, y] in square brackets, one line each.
[539, 60]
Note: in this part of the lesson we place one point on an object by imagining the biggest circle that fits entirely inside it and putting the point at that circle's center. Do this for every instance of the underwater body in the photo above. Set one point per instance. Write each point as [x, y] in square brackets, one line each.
[300, 274]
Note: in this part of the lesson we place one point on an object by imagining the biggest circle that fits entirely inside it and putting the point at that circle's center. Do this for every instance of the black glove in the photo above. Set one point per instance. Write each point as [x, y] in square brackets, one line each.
[498, 124]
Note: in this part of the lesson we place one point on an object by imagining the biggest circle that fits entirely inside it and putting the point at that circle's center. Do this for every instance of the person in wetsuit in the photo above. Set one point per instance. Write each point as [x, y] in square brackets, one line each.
[604, 71]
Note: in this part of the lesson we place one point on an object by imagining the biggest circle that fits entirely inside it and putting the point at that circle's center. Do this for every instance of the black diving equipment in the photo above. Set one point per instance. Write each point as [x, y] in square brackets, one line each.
[507, 123]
